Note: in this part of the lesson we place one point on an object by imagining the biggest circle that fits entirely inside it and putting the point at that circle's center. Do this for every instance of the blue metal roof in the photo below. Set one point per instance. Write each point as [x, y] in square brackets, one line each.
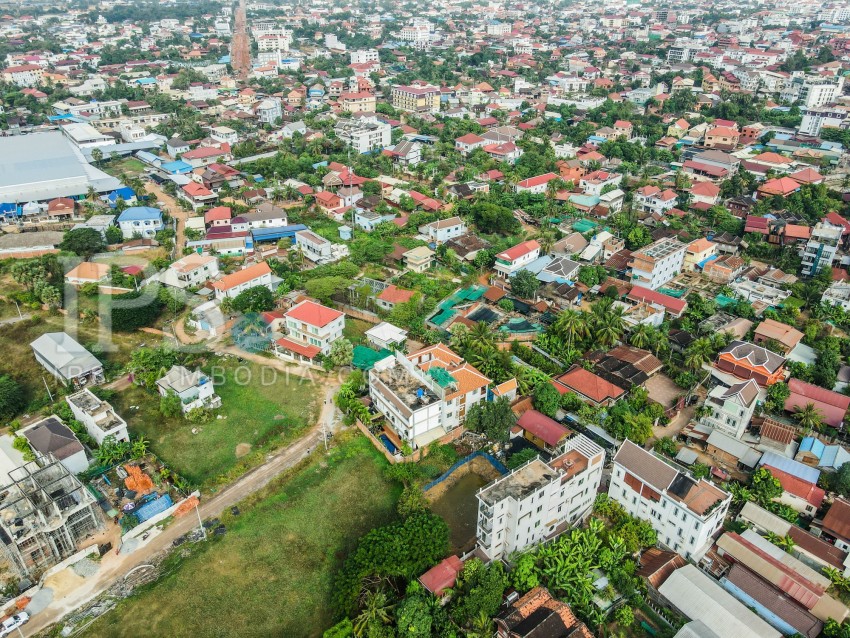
[126, 193]
[176, 167]
[273, 233]
[813, 445]
[792, 467]
[138, 213]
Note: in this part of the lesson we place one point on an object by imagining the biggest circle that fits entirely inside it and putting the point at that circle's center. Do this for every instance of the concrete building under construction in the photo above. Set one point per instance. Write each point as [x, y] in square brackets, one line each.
[45, 511]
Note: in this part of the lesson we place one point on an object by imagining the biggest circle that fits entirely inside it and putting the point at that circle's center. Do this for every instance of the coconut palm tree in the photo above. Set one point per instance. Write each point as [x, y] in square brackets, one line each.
[376, 609]
[571, 325]
[809, 418]
[481, 336]
[641, 336]
[698, 354]
[610, 328]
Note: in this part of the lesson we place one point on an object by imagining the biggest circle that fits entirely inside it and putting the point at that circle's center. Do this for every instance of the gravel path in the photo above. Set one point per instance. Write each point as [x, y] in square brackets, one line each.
[40, 600]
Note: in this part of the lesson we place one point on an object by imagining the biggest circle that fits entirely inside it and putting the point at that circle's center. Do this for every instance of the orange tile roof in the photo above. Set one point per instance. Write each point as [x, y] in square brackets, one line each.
[242, 276]
[313, 313]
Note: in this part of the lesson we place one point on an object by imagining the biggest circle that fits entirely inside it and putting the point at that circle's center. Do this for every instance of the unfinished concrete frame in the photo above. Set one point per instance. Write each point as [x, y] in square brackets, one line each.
[44, 513]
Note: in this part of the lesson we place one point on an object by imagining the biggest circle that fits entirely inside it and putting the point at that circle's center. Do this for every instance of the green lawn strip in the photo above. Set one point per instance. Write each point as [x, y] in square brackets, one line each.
[271, 574]
[355, 330]
[263, 413]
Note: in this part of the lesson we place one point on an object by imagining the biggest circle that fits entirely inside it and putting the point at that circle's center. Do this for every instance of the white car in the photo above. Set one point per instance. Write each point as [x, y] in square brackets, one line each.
[13, 622]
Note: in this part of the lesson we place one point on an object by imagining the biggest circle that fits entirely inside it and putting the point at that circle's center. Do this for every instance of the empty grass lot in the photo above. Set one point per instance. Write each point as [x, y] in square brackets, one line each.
[272, 573]
[17, 358]
[260, 414]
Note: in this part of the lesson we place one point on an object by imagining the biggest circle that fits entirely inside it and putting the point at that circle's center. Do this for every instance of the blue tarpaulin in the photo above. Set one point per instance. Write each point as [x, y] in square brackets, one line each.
[149, 510]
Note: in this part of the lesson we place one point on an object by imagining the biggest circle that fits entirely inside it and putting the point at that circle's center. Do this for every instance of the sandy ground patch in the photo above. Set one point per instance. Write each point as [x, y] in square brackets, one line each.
[243, 449]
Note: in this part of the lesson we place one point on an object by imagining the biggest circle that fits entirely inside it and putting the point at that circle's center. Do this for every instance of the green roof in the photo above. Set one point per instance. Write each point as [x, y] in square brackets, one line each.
[584, 225]
[441, 376]
[366, 358]
[723, 301]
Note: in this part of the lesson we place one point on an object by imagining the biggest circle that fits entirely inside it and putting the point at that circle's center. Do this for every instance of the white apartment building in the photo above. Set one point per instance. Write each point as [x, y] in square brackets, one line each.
[25, 75]
[279, 41]
[99, 418]
[730, 409]
[838, 294]
[315, 247]
[685, 512]
[656, 264]
[191, 270]
[364, 134]
[498, 28]
[515, 259]
[224, 134]
[311, 323]
[364, 56]
[426, 394]
[814, 119]
[358, 102]
[813, 91]
[539, 500]
[821, 248]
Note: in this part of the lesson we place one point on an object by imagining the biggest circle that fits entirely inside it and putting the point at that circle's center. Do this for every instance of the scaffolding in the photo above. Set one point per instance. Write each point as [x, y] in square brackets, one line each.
[45, 511]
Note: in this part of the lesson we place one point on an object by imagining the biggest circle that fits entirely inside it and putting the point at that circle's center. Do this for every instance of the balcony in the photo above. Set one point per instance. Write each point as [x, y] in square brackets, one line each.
[486, 524]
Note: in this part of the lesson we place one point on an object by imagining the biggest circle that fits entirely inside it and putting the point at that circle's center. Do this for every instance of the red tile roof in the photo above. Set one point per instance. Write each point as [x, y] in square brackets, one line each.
[519, 250]
[798, 487]
[590, 385]
[298, 348]
[216, 214]
[313, 313]
[537, 181]
[394, 294]
[672, 305]
[442, 576]
[837, 519]
[538, 424]
[832, 405]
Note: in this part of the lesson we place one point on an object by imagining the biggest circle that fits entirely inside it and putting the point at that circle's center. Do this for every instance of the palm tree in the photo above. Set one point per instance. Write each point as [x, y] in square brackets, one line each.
[809, 417]
[481, 336]
[698, 354]
[482, 626]
[641, 336]
[610, 327]
[376, 609]
[571, 325]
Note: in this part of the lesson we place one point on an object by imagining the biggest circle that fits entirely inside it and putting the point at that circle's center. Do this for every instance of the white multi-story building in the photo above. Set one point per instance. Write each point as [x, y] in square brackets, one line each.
[685, 512]
[838, 294]
[364, 134]
[656, 264]
[443, 230]
[498, 28]
[426, 394]
[730, 409]
[314, 324]
[813, 91]
[192, 387]
[821, 248]
[515, 259]
[281, 40]
[814, 119]
[539, 500]
[99, 418]
[364, 56]
[191, 270]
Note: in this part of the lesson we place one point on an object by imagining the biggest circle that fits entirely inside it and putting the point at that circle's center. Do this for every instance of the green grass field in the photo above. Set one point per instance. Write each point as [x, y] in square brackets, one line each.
[130, 166]
[259, 415]
[18, 359]
[355, 330]
[272, 573]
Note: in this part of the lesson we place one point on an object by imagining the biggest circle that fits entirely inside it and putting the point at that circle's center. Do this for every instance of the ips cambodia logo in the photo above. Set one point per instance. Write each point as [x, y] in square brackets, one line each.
[251, 333]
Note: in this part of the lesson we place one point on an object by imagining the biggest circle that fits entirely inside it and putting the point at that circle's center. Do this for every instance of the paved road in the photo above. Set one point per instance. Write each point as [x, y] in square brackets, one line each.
[11, 320]
[114, 567]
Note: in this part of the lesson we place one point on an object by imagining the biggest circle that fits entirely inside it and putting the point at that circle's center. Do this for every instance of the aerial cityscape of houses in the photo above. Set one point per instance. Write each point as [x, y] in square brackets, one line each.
[425, 319]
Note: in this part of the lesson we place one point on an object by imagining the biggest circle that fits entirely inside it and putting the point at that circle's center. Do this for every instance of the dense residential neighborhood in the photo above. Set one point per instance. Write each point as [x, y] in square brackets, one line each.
[415, 320]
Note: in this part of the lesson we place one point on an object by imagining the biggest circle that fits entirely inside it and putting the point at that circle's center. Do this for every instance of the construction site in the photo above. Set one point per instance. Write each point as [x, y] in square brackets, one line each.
[44, 514]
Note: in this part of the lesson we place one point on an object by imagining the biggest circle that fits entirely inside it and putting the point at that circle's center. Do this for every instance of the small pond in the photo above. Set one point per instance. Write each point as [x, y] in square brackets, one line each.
[459, 507]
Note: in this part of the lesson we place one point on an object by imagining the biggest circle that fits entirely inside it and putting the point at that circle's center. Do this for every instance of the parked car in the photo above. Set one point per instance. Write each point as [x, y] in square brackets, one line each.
[13, 622]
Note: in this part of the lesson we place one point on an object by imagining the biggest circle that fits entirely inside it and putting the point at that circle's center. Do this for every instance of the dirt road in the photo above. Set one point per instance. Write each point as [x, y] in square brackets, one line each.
[113, 567]
[164, 200]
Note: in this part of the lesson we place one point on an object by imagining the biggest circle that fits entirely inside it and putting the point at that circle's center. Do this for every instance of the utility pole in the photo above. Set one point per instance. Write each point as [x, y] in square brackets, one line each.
[19, 308]
[200, 522]
[46, 387]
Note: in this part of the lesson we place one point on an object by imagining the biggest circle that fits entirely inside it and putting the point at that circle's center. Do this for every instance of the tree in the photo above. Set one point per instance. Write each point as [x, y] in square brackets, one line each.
[494, 419]
[170, 405]
[12, 398]
[256, 299]
[22, 445]
[624, 616]
[524, 284]
[546, 398]
[479, 590]
[665, 445]
[114, 235]
[375, 610]
[840, 480]
[341, 353]
[414, 618]
[809, 418]
[776, 396]
[764, 486]
[84, 242]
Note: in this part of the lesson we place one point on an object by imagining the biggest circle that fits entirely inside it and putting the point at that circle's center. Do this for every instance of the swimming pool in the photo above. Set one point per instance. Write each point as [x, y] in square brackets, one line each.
[388, 444]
